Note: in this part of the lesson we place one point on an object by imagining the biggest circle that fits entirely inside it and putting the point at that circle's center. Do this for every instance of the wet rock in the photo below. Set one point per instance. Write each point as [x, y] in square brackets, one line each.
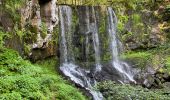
[108, 72]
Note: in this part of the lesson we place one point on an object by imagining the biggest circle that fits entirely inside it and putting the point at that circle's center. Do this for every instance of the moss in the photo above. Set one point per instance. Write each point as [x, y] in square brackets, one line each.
[11, 7]
[166, 68]
[3, 35]
[27, 49]
[140, 59]
[22, 80]
[43, 30]
[136, 18]
[167, 63]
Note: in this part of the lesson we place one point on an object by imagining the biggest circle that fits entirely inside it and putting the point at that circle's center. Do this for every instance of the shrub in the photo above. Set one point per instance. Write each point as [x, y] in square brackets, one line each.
[19, 79]
[113, 91]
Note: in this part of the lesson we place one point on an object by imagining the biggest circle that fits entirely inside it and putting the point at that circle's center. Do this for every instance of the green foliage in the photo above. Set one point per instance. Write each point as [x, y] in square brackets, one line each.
[11, 6]
[168, 62]
[27, 49]
[19, 32]
[168, 8]
[167, 65]
[136, 18]
[19, 79]
[127, 35]
[49, 64]
[122, 20]
[3, 35]
[140, 59]
[113, 91]
[43, 30]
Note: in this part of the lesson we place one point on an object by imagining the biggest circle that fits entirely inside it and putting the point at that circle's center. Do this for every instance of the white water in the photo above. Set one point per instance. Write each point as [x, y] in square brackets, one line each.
[96, 44]
[121, 67]
[65, 27]
[69, 69]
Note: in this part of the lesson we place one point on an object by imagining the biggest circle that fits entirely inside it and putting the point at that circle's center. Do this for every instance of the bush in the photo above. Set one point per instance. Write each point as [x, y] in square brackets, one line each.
[19, 79]
[113, 91]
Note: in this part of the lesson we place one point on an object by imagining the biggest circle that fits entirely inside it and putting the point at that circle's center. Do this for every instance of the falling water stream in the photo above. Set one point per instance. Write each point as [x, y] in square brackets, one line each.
[121, 67]
[95, 36]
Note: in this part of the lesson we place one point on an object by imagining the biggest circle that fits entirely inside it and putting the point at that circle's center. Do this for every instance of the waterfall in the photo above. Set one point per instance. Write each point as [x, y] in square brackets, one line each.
[89, 28]
[95, 36]
[122, 67]
[65, 15]
[68, 66]
[88, 31]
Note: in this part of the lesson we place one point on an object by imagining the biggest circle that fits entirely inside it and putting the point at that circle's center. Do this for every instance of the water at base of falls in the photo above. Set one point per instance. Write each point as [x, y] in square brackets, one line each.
[79, 76]
[124, 70]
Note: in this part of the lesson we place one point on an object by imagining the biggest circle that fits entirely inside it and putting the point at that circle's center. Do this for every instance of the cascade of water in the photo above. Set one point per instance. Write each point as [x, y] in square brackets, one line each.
[75, 73]
[63, 47]
[87, 21]
[123, 68]
[95, 37]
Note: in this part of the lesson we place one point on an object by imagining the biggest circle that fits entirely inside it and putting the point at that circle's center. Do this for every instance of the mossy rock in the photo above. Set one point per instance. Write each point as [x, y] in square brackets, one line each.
[137, 59]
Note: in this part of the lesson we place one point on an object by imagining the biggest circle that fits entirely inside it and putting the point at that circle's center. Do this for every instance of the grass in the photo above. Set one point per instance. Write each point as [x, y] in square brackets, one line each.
[49, 64]
[19, 79]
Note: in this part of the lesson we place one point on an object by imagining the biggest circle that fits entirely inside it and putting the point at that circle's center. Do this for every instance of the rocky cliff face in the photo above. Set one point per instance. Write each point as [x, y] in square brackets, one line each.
[39, 23]
[33, 30]
[144, 26]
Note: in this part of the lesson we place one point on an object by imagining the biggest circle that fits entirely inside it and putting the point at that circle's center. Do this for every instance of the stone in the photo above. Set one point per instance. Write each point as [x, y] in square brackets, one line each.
[37, 13]
[49, 14]
[43, 52]
[108, 72]
[156, 37]
[6, 22]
